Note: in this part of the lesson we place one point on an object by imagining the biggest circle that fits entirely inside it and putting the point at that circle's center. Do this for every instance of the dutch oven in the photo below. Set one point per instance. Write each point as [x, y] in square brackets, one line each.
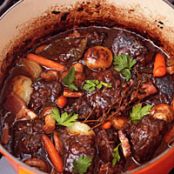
[27, 21]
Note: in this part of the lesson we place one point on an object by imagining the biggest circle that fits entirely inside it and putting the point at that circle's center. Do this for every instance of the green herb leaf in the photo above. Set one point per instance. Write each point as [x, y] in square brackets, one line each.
[116, 155]
[123, 64]
[138, 112]
[92, 85]
[64, 119]
[68, 80]
[82, 164]
[126, 74]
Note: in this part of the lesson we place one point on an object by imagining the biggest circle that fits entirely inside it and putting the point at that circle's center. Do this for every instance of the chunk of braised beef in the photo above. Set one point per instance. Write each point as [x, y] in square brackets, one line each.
[145, 90]
[26, 137]
[67, 49]
[44, 93]
[105, 144]
[165, 84]
[97, 102]
[126, 43]
[76, 145]
[145, 137]
[107, 168]
[95, 38]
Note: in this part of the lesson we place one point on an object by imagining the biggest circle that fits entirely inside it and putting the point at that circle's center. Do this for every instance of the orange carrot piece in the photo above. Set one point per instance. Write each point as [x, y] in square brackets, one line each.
[52, 153]
[107, 125]
[61, 101]
[160, 68]
[71, 94]
[46, 62]
[57, 142]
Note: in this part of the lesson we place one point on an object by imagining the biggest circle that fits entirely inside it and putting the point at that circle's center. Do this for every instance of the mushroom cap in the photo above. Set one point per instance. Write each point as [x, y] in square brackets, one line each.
[98, 57]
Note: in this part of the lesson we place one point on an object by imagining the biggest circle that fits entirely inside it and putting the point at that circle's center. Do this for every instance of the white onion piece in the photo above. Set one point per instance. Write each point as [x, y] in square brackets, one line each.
[81, 129]
[124, 144]
[31, 67]
[22, 87]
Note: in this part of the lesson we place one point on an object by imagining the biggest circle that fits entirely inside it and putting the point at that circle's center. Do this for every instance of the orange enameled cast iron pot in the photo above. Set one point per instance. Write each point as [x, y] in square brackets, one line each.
[29, 20]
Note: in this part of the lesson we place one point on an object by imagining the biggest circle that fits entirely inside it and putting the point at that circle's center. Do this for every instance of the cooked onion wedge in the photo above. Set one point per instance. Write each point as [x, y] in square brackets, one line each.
[126, 148]
[31, 67]
[98, 57]
[22, 87]
[81, 129]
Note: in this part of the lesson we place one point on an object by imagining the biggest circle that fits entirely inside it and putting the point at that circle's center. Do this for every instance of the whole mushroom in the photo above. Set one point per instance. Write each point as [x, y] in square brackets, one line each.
[98, 57]
[163, 112]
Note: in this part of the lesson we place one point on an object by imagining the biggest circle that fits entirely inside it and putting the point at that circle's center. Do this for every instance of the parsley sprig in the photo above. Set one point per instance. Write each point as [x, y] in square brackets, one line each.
[116, 155]
[139, 111]
[64, 119]
[92, 85]
[124, 64]
[68, 80]
[82, 164]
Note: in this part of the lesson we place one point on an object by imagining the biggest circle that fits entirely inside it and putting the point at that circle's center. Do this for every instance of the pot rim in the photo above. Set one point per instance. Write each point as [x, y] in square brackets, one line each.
[142, 168]
[19, 163]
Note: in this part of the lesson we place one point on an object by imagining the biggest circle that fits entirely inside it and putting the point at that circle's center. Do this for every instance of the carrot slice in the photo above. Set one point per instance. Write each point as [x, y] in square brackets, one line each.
[57, 142]
[61, 101]
[71, 94]
[107, 125]
[159, 69]
[46, 62]
[52, 153]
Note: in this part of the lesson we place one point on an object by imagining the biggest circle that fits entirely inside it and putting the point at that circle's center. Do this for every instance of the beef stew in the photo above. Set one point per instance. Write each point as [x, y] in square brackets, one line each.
[89, 100]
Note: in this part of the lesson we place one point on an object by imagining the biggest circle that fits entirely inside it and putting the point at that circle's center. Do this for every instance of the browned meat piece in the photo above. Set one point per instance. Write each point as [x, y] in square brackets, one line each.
[107, 168]
[126, 43]
[95, 103]
[100, 100]
[166, 86]
[95, 38]
[66, 49]
[16, 106]
[105, 146]
[145, 137]
[147, 89]
[75, 146]
[26, 137]
[44, 92]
